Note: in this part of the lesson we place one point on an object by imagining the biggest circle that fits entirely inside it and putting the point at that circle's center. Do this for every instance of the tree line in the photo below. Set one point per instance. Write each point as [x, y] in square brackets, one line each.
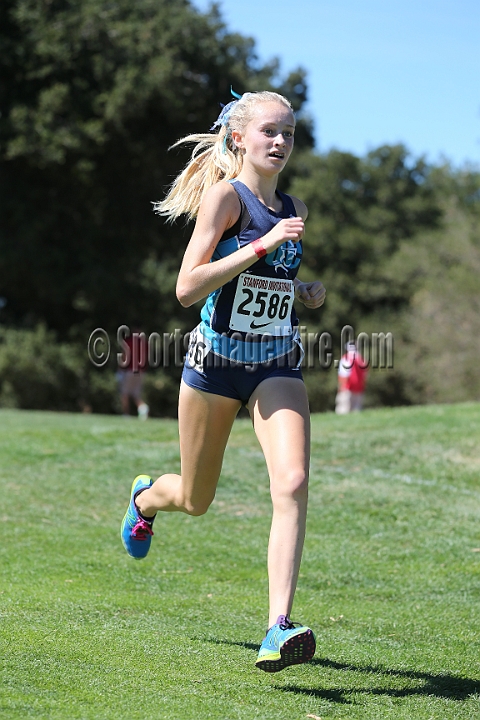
[92, 95]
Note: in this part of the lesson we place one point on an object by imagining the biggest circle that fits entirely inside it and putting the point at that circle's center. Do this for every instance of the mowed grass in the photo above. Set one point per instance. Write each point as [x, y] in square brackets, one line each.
[390, 579]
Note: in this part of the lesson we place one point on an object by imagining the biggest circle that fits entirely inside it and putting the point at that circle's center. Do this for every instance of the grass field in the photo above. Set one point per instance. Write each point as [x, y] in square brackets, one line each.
[390, 580]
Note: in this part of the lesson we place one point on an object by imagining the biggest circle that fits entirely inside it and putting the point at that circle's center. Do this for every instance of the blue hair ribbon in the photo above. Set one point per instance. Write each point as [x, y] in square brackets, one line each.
[226, 111]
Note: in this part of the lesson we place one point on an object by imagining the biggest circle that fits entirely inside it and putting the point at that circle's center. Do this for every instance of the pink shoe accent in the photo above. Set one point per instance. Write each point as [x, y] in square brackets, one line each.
[141, 530]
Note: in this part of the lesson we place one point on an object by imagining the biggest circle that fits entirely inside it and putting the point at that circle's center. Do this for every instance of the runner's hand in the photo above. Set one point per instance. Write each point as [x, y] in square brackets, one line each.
[311, 294]
[287, 229]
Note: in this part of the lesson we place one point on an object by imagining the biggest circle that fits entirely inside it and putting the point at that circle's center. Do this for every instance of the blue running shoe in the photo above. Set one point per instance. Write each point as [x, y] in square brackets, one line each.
[286, 643]
[136, 532]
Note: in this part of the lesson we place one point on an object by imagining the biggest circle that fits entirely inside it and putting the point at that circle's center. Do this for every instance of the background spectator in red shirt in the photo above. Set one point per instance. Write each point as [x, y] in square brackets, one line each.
[129, 376]
[352, 378]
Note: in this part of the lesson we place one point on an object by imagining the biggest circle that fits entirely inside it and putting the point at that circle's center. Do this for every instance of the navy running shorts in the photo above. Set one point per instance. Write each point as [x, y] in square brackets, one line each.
[238, 381]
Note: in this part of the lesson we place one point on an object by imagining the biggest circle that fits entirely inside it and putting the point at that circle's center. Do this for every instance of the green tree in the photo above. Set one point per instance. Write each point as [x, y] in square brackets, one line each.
[360, 209]
[439, 331]
[92, 95]
[396, 243]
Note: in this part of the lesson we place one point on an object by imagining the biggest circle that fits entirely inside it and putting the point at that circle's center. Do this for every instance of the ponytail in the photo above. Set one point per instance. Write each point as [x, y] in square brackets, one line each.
[215, 157]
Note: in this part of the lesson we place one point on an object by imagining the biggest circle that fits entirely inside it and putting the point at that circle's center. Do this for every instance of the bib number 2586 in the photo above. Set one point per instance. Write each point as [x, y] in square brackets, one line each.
[262, 305]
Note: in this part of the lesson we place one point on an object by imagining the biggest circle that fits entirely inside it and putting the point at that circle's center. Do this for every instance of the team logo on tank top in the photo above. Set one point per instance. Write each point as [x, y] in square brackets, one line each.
[286, 257]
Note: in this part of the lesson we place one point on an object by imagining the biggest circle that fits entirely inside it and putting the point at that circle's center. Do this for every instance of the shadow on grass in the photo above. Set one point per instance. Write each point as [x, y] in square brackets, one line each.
[444, 686]
[249, 646]
[451, 687]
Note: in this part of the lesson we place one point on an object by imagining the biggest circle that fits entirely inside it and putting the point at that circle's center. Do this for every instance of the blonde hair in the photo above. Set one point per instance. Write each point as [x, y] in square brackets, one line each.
[215, 157]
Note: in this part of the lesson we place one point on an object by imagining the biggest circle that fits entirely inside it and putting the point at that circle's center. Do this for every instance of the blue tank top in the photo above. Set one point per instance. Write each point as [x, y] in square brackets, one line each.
[263, 286]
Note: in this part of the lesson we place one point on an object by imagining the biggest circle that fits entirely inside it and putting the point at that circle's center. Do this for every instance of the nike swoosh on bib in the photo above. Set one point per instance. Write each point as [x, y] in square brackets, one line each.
[253, 326]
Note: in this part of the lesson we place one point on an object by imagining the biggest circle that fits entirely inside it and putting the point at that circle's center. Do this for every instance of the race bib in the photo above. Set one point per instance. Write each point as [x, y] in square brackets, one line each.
[262, 305]
[198, 349]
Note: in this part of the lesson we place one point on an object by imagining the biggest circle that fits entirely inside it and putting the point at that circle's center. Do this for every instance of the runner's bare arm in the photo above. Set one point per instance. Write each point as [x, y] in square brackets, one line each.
[198, 277]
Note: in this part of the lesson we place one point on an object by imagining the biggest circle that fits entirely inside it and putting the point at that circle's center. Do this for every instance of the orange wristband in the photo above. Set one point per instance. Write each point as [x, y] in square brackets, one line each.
[258, 247]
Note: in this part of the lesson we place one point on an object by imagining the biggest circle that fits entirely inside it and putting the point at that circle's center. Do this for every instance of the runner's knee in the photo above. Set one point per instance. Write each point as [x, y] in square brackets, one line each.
[197, 506]
[292, 484]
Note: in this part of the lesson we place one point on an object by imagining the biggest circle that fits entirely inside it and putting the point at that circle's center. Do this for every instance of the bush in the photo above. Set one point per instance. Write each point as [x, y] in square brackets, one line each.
[38, 372]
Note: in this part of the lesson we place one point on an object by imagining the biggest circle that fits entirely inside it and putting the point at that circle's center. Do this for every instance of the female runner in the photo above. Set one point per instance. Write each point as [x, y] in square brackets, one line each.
[243, 257]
